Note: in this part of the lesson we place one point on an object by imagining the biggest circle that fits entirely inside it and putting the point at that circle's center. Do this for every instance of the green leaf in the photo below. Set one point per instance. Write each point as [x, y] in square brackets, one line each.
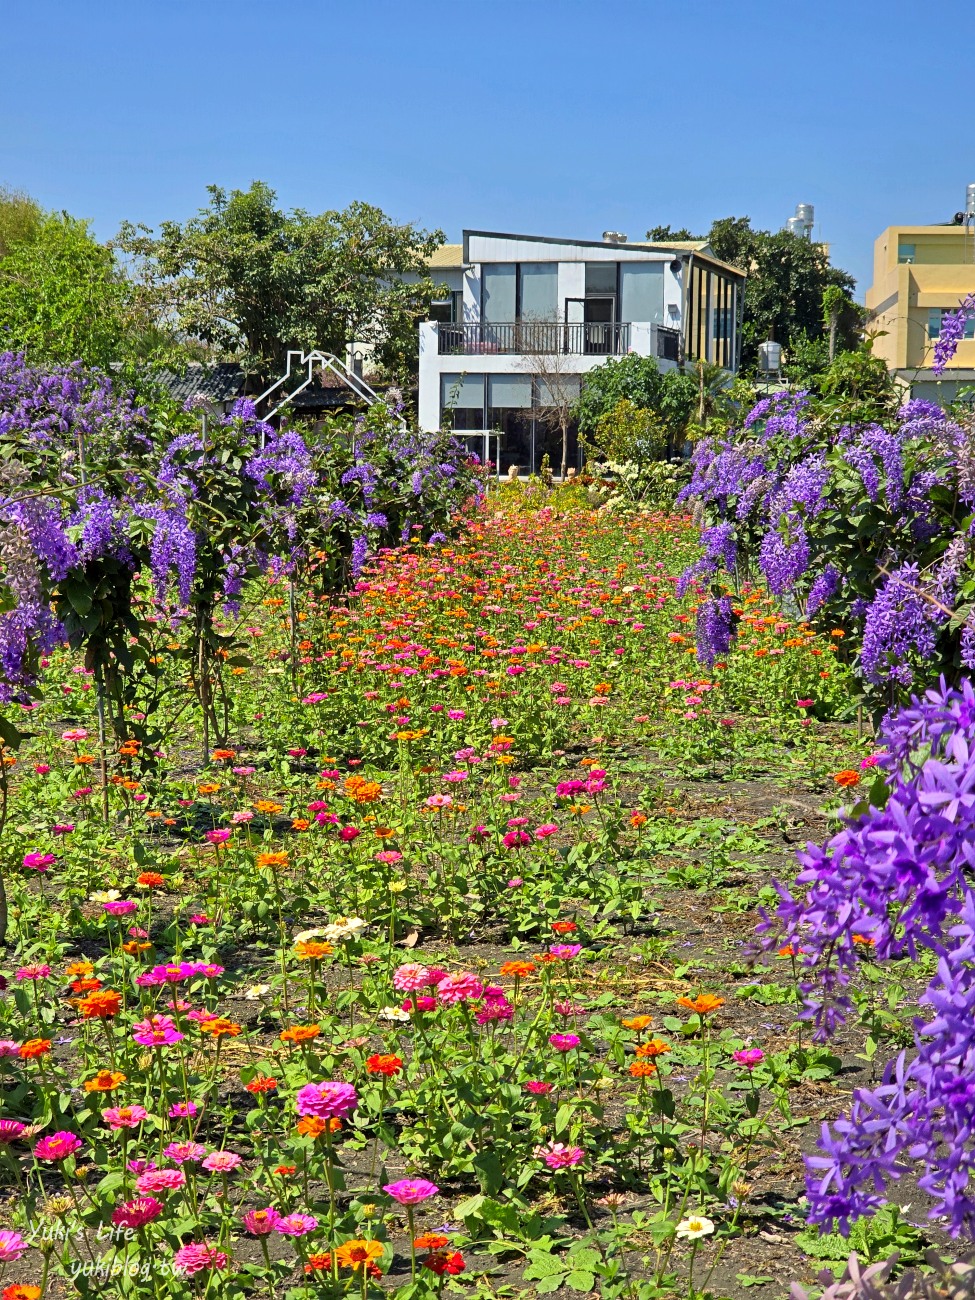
[579, 1280]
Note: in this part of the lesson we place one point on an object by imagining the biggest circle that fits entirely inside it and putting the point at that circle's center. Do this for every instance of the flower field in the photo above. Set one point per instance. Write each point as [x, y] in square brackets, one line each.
[441, 973]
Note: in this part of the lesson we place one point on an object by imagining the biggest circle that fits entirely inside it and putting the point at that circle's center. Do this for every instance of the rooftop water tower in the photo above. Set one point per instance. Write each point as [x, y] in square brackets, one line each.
[802, 223]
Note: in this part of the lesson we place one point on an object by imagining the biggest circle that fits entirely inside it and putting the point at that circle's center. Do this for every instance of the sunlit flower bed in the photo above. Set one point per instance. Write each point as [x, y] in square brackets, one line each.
[342, 1008]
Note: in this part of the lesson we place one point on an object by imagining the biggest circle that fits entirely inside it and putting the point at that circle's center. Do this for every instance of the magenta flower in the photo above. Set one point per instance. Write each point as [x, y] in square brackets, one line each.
[565, 951]
[39, 861]
[156, 1031]
[218, 836]
[194, 1257]
[559, 1156]
[117, 1117]
[564, 1042]
[183, 1110]
[57, 1147]
[12, 1246]
[222, 1162]
[411, 1191]
[120, 907]
[538, 1088]
[410, 977]
[160, 1180]
[10, 1130]
[749, 1057]
[8, 1047]
[296, 1225]
[259, 1223]
[137, 1213]
[33, 972]
[180, 1152]
[462, 987]
[516, 839]
[327, 1100]
[544, 831]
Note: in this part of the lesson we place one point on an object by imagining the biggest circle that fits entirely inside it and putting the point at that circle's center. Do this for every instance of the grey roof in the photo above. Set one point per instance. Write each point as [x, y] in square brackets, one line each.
[221, 383]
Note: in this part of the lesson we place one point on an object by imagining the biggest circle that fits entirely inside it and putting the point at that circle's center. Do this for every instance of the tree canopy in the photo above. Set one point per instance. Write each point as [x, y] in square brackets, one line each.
[670, 395]
[788, 281]
[61, 296]
[251, 280]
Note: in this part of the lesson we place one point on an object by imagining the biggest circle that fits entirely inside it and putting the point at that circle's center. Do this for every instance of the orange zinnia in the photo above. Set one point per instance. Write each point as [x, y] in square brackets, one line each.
[105, 1081]
[643, 1069]
[220, 1028]
[310, 950]
[847, 777]
[312, 1126]
[102, 1004]
[518, 969]
[358, 1254]
[33, 1048]
[272, 859]
[300, 1033]
[637, 1022]
[703, 1004]
[655, 1047]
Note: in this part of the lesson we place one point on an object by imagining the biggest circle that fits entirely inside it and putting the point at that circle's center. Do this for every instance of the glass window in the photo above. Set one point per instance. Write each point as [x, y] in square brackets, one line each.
[905, 252]
[509, 391]
[462, 401]
[600, 277]
[498, 282]
[442, 312]
[936, 319]
[642, 291]
[557, 390]
[539, 290]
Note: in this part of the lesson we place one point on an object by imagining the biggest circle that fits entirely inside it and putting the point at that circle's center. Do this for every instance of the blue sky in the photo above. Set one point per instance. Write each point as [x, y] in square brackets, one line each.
[562, 117]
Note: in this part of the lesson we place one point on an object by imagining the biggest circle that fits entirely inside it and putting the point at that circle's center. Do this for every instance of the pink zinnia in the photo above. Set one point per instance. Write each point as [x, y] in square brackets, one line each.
[410, 977]
[565, 951]
[296, 1225]
[411, 1191]
[240, 818]
[749, 1057]
[218, 837]
[120, 907]
[462, 987]
[564, 1042]
[516, 839]
[12, 1246]
[222, 1162]
[8, 1047]
[57, 1147]
[183, 1110]
[117, 1117]
[156, 1031]
[160, 1180]
[10, 1130]
[261, 1222]
[137, 1213]
[326, 1100]
[196, 1256]
[180, 1152]
[559, 1156]
[39, 861]
[33, 972]
[538, 1088]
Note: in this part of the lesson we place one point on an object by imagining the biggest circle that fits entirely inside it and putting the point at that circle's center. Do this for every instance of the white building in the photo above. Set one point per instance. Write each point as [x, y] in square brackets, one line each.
[527, 317]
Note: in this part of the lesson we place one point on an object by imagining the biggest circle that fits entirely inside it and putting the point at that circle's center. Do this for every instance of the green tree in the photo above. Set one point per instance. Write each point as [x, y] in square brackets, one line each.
[61, 296]
[251, 280]
[667, 235]
[673, 395]
[20, 219]
[788, 277]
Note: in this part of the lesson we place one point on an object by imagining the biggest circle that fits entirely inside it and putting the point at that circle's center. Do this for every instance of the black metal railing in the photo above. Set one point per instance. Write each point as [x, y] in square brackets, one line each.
[534, 338]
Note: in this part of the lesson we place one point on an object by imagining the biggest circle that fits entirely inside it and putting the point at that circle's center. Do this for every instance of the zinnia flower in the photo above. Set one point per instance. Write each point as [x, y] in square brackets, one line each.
[12, 1246]
[296, 1225]
[411, 1191]
[694, 1226]
[559, 1156]
[57, 1147]
[196, 1256]
[327, 1100]
[259, 1223]
[137, 1213]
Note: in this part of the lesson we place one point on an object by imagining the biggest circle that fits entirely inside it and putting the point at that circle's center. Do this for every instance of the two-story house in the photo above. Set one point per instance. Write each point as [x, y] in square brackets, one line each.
[527, 317]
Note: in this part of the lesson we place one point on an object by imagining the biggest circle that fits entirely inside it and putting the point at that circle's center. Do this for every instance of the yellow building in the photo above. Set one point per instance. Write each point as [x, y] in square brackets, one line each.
[919, 273]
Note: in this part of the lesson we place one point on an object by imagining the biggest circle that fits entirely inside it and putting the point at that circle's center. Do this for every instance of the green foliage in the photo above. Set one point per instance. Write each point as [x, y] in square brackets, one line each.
[860, 385]
[671, 395]
[251, 280]
[20, 219]
[788, 277]
[873, 1240]
[667, 234]
[629, 432]
[807, 361]
[61, 296]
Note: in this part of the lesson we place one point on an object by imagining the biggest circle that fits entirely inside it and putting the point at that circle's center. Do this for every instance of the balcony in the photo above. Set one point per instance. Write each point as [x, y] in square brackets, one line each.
[548, 338]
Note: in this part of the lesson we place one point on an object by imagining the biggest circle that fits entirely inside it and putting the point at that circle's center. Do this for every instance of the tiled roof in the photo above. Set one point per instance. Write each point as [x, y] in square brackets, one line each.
[447, 255]
[219, 383]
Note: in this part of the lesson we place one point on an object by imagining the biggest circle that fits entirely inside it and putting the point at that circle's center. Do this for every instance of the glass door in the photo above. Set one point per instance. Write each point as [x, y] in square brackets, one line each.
[600, 319]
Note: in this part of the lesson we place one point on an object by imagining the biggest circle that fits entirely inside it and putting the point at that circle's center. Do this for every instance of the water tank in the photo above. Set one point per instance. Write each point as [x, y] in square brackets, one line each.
[806, 214]
[770, 357]
[796, 226]
[614, 237]
[970, 201]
